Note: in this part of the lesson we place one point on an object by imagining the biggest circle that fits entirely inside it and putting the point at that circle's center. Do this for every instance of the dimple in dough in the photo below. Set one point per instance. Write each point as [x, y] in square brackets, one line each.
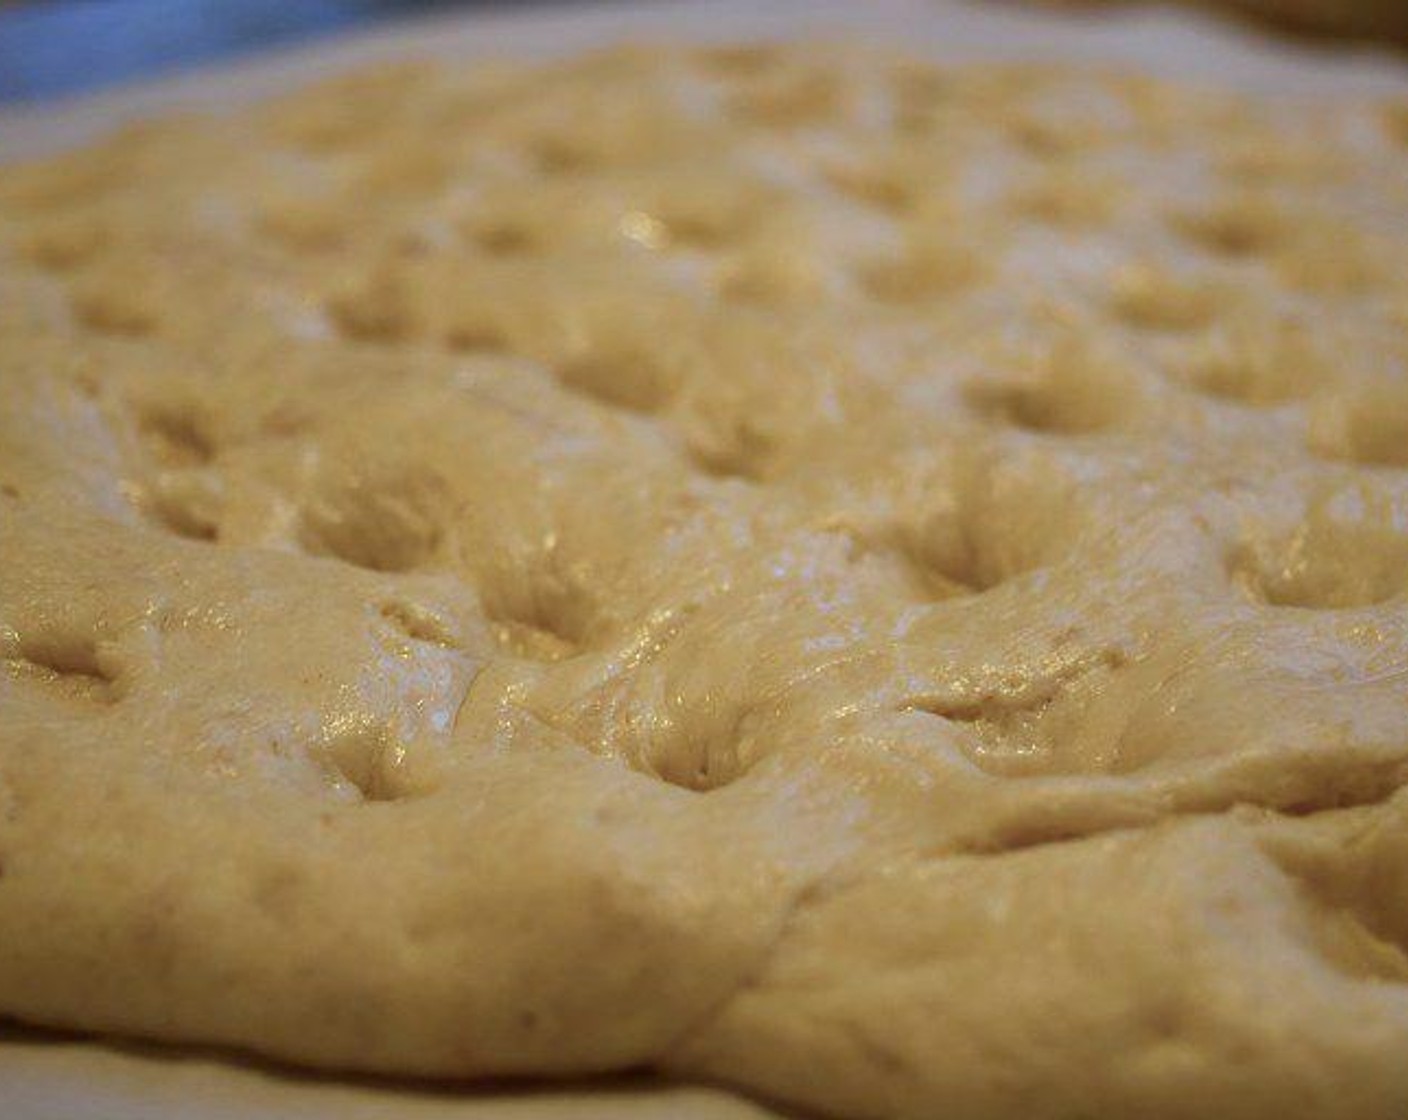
[882, 586]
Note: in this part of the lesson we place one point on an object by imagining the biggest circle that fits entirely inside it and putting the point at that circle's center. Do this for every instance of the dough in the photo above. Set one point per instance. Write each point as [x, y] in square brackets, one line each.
[885, 587]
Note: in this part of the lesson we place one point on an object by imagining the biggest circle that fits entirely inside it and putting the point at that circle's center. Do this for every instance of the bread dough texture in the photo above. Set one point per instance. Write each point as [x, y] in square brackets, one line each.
[882, 586]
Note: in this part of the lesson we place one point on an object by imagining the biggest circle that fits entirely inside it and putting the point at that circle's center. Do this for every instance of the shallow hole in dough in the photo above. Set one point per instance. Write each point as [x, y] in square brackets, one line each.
[477, 336]
[114, 308]
[628, 378]
[920, 94]
[418, 623]
[371, 760]
[69, 664]
[66, 244]
[708, 215]
[1349, 551]
[1330, 258]
[1257, 365]
[561, 154]
[505, 237]
[885, 188]
[951, 552]
[1368, 426]
[791, 99]
[732, 446]
[1028, 729]
[376, 310]
[705, 762]
[1067, 198]
[769, 279]
[983, 522]
[1349, 906]
[302, 222]
[1237, 227]
[1151, 298]
[736, 61]
[386, 525]
[701, 772]
[537, 615]
[533, 642]
[406, 165]
[176, 437]
[929, 269]
[186, 519]
[1069, 390]
[1048, 137]
[729, 463]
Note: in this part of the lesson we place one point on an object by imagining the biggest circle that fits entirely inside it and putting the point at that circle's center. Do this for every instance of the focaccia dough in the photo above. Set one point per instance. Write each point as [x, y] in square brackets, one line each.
[883, 586]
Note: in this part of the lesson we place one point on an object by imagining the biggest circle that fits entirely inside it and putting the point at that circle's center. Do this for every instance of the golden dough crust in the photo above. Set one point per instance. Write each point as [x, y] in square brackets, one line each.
[882, 585]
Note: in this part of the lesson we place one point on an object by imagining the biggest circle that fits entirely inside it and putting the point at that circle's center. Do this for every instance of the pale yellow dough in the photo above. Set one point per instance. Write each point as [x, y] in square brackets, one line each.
[880, 586]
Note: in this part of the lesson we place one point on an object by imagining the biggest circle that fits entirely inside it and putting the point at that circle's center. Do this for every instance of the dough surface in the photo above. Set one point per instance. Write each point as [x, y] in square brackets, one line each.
[879, 585]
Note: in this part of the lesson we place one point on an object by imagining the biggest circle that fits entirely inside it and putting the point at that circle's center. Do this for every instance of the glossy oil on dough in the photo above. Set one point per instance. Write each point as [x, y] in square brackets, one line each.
[882, 586]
